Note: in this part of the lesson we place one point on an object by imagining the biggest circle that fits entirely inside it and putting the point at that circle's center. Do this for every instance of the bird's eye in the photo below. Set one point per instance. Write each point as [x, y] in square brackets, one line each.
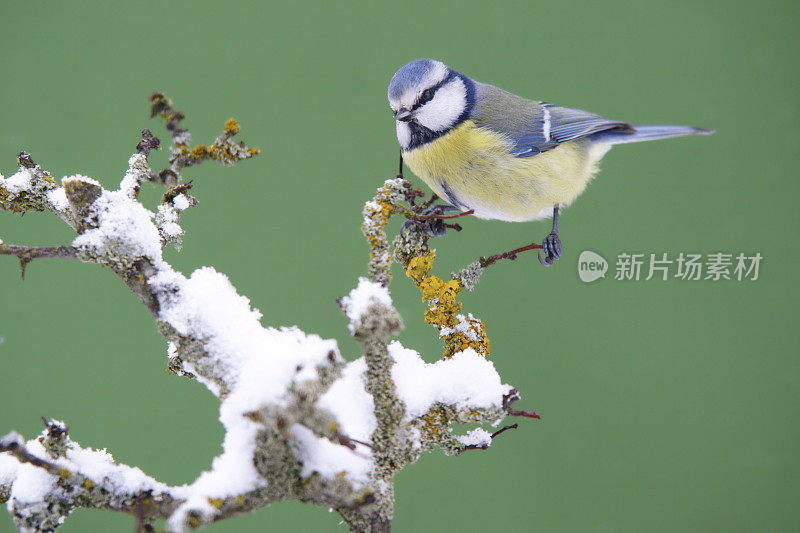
[427, 95]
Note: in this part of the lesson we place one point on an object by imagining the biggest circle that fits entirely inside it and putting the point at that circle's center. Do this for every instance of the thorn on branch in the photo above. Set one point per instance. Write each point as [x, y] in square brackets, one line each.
[148, 142]
[23, 264]
[26, 254]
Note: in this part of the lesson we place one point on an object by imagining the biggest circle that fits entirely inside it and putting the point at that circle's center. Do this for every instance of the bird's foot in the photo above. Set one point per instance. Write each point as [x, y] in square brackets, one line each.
[551, 245]
[432, 220]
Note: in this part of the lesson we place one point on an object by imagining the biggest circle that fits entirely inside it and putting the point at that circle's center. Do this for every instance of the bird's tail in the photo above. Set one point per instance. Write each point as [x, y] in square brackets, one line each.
[646, 133]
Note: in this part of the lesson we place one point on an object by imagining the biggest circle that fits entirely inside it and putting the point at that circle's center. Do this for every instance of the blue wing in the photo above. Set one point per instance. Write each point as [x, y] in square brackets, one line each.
[535, 127]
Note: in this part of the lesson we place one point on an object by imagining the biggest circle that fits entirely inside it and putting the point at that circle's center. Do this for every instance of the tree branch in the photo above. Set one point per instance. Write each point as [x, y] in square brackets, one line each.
[300, 422]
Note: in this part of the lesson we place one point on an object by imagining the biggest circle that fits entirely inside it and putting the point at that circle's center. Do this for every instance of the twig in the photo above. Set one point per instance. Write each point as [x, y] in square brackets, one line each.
[14, 444]
[182, 154]
[172, 192]
[511, 255]
[148, 142]
[485, 446]
[509, 399]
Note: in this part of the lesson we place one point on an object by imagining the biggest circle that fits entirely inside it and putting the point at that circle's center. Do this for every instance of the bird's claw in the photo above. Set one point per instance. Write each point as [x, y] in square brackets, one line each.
[430, 224]
[551, 245]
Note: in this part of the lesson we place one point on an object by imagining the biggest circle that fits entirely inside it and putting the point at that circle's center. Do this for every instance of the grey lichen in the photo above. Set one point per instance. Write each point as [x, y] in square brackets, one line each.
[409, 244]
[377, 212]
[469, 275]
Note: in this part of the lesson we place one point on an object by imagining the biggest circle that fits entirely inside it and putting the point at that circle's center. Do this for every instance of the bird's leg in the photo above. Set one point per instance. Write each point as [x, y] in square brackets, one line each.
[432, 220]
[551, 244]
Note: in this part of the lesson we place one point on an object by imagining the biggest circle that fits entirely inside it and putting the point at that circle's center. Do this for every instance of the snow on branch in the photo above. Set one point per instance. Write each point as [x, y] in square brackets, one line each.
[301, 422]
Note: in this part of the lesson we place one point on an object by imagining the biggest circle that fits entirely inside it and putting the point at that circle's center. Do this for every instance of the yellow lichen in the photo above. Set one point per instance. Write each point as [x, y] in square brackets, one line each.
[216, 503]
[419, 267]
[231, 127]
[200, 151]
[444, 310]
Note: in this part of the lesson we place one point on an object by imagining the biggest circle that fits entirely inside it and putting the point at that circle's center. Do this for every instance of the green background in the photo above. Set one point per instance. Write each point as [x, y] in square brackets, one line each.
[667, 406]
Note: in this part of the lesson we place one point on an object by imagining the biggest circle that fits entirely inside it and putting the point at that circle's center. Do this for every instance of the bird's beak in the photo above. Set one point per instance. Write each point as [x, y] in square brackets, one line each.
[403, 114]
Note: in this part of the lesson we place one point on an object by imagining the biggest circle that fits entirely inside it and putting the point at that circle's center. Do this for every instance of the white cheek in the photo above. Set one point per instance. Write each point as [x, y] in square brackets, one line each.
[403, 134]
[445, 108]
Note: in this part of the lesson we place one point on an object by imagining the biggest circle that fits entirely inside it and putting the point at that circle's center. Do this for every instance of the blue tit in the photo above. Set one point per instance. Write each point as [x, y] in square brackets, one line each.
[501, 156]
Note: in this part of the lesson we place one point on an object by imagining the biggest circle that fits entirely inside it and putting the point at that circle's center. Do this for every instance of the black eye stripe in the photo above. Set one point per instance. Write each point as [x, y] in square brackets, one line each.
[428, 94]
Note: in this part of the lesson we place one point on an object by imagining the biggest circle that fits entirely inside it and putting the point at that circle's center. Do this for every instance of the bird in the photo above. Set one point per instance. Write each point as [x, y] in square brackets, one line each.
[496, 155]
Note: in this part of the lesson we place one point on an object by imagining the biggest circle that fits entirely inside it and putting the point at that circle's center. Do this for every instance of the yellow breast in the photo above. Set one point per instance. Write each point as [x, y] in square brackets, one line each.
[474, 168]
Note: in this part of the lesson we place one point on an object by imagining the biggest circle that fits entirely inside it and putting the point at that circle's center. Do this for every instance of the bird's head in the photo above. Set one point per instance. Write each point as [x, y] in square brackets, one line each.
[428, 98]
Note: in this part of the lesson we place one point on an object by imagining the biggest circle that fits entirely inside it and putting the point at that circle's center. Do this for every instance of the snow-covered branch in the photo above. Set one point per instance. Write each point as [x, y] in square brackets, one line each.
[301, 422]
